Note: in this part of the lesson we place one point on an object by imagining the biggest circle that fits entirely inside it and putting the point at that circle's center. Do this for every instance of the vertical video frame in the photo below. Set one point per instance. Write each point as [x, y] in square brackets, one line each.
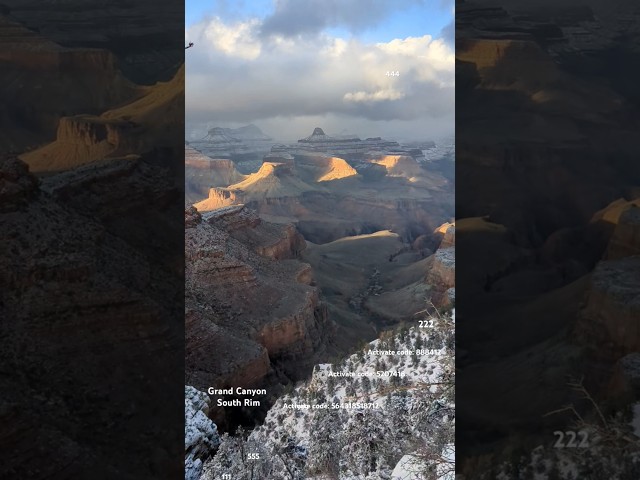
[319, 240]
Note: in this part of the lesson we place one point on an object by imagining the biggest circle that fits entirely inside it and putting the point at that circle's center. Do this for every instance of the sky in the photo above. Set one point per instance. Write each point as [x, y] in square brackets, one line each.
[288, 66]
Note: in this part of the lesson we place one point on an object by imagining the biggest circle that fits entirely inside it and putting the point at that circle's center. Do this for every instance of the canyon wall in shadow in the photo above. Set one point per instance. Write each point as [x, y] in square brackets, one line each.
[547, 187]
[91, 208]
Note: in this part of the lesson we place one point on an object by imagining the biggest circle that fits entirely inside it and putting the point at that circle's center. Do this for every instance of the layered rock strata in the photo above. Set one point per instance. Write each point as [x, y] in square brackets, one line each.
[328, 199]
[140, 37]
[233, 142]
[202, 172]
[149, 123]
[248, 299]
[74, 289]
[345, 146]
[37, 75]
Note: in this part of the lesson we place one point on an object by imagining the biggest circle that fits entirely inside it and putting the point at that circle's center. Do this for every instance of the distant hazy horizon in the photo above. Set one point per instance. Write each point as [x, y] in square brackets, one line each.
[281, 132]
[289, 66]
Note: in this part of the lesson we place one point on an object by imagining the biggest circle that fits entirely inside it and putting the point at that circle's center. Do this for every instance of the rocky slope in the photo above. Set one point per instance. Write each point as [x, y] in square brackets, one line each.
[608, 323]
[613, 308]
[76, 289]
[402, 292]
[142, 38]
[249, 299]
[379, 408]
[200, 433]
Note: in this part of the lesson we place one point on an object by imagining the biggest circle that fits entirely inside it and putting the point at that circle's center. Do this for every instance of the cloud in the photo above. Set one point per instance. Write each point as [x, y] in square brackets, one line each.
[235, 75]
[295, 17]
[234, 39]
[379, 96]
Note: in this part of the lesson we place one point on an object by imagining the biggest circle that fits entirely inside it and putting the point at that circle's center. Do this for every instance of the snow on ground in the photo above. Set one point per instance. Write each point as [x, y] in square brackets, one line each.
[383, 409]
[407, 467]
[406, 368]
[200, 433]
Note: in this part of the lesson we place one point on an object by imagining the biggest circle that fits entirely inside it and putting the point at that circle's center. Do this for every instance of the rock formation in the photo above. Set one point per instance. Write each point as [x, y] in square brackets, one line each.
[545, 142]
[349, 147]
[327, 198]
[151, 122]
[610, 319]
[248, 299]
[37, 75]
[91, 289]
[625, 240]
[72, 283]
[625, 384]
[202, 173]
[441, 274]
[200, 433]
[240, 144]
[143, 43]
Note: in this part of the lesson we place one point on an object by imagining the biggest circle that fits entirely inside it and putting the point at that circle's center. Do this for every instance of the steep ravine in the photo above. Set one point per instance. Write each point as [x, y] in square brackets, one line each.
[250, 301]
[269, 317]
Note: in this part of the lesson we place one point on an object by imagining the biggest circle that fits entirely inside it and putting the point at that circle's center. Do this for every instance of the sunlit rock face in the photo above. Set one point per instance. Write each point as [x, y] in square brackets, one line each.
[37, 75]
[249, 299]
[147, 123]
[329, 197]
[202, 172]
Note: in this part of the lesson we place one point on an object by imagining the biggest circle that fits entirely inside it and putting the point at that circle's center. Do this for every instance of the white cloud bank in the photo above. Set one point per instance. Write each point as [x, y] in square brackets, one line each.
[236, 74]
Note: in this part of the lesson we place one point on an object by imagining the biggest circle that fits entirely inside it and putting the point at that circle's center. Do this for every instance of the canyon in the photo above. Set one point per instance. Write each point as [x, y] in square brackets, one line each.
[303, 259]
[76, 281]
[249, 299]
[90, 300]
[329, 197]
[546, 146]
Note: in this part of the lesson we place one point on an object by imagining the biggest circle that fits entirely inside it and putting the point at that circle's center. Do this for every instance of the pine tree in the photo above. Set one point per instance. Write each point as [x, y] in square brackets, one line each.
[324, 445]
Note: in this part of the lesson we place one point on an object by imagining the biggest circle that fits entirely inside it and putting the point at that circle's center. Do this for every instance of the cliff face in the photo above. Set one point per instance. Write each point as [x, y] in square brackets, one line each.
[150, 122]
[141, 38]
[202, 173]
[546, 139]
[69, 285]
[553, 119]
[37, 75]
[608, 323]
[327, 199]
[248, 299]
[441, 276]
